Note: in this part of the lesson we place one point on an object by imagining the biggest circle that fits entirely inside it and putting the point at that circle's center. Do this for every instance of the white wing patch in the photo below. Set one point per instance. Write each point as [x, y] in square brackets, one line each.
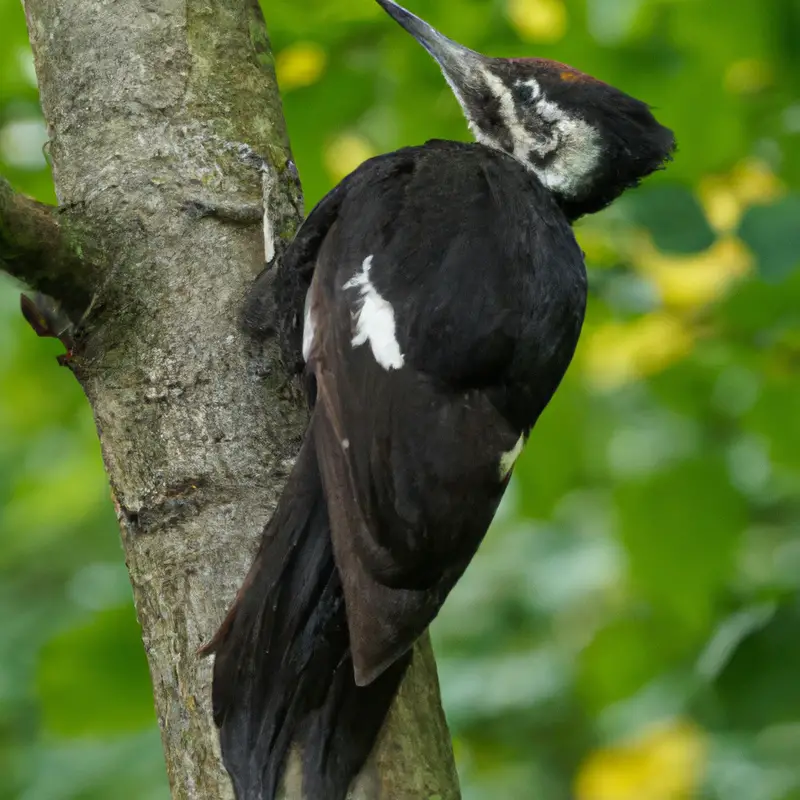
[507, 460]
[374, 320]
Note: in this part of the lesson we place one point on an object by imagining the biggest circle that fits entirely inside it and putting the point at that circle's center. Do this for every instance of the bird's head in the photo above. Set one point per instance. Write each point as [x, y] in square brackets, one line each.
[585, 140]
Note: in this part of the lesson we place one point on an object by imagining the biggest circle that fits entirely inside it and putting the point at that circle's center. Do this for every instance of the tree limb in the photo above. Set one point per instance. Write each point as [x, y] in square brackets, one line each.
[151, 107]
[36, 249]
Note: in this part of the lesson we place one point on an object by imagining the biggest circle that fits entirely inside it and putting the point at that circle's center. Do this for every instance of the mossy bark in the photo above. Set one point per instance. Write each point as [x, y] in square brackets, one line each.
[150, 108]
[37, 248]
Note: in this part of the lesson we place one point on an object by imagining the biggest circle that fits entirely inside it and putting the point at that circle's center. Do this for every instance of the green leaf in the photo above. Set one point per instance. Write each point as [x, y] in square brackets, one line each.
[628, 653]
[757, 309]
[774, 416]
[759, 685]
[773, 233]
[93, 680]
[673, 216]
[680, 528]
[552, 461]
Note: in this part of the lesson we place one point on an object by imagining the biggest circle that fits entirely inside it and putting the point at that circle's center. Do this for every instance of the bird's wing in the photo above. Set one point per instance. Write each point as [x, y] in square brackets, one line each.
[420, 314]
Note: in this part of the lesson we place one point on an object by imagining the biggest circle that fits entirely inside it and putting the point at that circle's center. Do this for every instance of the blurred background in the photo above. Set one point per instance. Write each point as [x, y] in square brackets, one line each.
[631, 628]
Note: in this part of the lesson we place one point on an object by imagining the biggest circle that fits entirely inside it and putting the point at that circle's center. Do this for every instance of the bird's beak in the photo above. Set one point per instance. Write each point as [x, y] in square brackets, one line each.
[457, 62]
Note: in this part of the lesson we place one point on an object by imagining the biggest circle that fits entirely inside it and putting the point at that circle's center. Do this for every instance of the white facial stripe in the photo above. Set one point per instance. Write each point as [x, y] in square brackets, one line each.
[309, 327]
[374, 320]
[521, 139]
[507, 460]
[576, 143]
[578, 150]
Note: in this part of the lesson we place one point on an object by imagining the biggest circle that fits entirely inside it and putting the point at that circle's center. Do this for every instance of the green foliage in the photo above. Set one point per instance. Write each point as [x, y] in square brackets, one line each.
[673, 216]
[629, 630]
[773, 233]
[680, 561]
[78, 681]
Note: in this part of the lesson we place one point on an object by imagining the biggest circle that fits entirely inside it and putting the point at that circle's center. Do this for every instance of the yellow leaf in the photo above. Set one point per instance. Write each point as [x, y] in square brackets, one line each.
[538, 20]
[598, 247]
[725, 197]
[345, 153]
[616, 353]
[662, 763]
[722, 206]
[748, 76]
[754, 182]
[300, 64]
[692, 281]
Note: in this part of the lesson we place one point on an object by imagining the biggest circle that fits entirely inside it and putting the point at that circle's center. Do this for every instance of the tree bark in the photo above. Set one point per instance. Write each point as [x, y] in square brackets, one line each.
[157, 112]
[35, 247]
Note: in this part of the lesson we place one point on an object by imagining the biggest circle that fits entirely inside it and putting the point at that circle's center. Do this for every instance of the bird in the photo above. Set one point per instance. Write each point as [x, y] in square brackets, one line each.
[432, 302]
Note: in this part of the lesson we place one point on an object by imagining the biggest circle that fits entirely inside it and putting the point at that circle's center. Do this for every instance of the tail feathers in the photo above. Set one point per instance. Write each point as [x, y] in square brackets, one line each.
[343, 730]
[283, 673]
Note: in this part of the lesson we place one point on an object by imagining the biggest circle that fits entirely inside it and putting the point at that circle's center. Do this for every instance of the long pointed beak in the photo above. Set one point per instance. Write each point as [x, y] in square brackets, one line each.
[457, 62]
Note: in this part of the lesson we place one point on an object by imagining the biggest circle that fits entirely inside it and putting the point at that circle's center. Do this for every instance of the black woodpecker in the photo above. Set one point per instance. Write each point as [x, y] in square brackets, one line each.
[436, 295]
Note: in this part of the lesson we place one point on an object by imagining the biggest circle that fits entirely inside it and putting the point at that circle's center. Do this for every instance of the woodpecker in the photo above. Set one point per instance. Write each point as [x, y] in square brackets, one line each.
[433, 300]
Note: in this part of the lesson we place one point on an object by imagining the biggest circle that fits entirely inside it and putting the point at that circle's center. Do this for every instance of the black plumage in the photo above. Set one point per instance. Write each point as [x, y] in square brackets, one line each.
[442, 294]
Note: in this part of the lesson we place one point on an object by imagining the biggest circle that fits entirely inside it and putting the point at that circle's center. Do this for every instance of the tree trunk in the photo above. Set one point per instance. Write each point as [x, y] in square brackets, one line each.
[159, 115]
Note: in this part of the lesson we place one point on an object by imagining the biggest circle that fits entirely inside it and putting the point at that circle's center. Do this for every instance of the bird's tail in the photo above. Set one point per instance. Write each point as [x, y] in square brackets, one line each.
[283, 673]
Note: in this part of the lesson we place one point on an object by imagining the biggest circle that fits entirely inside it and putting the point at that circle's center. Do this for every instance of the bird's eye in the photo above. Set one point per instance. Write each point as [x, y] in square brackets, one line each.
[522, 93]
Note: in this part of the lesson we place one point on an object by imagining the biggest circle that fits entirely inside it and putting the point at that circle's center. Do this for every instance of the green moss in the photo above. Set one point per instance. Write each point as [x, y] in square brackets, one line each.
[238, 96]
[259, 37]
